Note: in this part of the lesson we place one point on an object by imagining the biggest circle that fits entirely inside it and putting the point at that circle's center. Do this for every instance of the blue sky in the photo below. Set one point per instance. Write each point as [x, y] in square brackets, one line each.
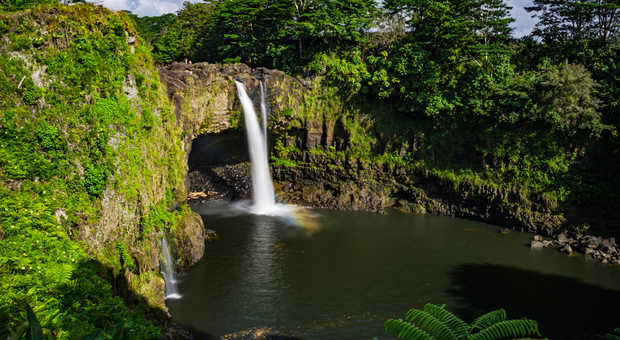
[522, 26]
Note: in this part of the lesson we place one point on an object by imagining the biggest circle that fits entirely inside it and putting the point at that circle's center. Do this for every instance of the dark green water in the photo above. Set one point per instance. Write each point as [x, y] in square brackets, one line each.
[360, 269]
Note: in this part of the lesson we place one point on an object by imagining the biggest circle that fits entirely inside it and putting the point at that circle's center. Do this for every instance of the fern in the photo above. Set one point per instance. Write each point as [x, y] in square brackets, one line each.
[615, 336]
[489, 319]
[458, 327]
[436, 323]
[508, 330]
[430, 324]
[404, 330]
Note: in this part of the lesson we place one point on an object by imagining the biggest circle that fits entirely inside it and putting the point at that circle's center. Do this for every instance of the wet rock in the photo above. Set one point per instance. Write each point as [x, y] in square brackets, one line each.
[189, 239]
[211, 235]
[607, 244]
[538, 238]
[567, 249]
[535, 244]
[563, 238]
[591, 241]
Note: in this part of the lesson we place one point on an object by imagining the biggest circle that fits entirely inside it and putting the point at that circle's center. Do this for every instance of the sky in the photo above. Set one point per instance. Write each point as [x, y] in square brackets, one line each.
[522, 26]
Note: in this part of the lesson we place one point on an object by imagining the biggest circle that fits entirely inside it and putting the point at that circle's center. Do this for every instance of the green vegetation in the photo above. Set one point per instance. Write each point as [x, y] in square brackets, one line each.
[285, 35]
[614, 336]
[435, 322]
[444, 84]
[91, 155]
[87, 138]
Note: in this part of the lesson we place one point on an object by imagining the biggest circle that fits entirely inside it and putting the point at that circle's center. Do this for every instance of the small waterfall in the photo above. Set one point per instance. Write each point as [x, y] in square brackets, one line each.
[168, 271]
[263, 111]
[262, 188]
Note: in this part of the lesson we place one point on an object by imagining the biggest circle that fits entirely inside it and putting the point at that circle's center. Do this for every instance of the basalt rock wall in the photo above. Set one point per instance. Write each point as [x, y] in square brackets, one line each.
[320, 151]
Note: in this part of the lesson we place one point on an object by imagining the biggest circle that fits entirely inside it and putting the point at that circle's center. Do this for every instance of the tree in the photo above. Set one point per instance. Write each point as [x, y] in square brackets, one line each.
[182, 37]
[152, 28]
[16, 5]
[576, 19]
[285, 34]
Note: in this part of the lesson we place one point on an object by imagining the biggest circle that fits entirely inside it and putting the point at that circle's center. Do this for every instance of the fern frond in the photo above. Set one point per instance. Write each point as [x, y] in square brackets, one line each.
[489, 319]
[430, 324]
[508, 330]
[457, 326]
[404, 330]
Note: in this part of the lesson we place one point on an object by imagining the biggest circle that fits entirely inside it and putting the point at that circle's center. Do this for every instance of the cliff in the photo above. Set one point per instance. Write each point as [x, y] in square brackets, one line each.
[92, 170]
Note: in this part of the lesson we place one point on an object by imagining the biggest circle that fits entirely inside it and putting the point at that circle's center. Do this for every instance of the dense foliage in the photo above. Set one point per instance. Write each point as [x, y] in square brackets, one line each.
[279, 34]
[68, 132]
[464, 96]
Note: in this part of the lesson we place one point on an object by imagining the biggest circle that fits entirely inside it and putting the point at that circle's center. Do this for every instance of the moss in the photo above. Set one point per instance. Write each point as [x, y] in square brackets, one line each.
[87, 170]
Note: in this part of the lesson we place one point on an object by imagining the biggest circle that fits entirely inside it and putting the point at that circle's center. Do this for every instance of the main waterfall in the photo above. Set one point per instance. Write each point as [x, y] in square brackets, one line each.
[263, 198]
[263, 113]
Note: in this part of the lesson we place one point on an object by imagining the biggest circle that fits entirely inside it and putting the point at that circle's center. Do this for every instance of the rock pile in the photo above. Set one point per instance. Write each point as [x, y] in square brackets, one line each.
[603, 249]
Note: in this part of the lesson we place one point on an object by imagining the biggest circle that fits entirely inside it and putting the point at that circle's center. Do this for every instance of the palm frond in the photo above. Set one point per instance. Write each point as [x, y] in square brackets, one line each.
[404, 330]
[489, 319]
[430, 324]
[457, 326]
[508, 330]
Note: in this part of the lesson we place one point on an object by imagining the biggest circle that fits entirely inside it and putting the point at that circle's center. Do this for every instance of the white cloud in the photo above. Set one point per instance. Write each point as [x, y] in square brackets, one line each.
[153, 8]
[524, 23]
[116, 5]
[143, 7]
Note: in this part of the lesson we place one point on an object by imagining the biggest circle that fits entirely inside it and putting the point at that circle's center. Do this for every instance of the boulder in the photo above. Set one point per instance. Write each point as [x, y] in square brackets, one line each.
[567, 249]
[535, 244]
[190, 240]
[563, 238]
[211, 235]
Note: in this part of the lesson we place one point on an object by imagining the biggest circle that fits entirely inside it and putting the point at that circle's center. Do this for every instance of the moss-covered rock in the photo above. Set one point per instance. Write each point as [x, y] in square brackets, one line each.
[92, 166]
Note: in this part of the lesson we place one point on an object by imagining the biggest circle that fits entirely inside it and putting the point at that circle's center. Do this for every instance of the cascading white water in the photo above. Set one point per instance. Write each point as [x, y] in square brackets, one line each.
[262, 188]
[167, 270]
[263, 111]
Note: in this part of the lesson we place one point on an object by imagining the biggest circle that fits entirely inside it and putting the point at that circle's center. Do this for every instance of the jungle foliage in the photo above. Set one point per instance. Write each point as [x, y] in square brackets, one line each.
[68, 132]
[464, 95]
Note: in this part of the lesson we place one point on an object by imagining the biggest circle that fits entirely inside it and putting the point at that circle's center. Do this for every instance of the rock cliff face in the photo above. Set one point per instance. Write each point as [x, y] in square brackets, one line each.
[320, 151]
[92, 164]
[353, 184]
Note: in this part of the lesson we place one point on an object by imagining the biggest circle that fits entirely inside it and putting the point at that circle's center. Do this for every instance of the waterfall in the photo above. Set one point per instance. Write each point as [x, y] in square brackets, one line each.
[263, 111]
[167, 270]
[262, 187]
